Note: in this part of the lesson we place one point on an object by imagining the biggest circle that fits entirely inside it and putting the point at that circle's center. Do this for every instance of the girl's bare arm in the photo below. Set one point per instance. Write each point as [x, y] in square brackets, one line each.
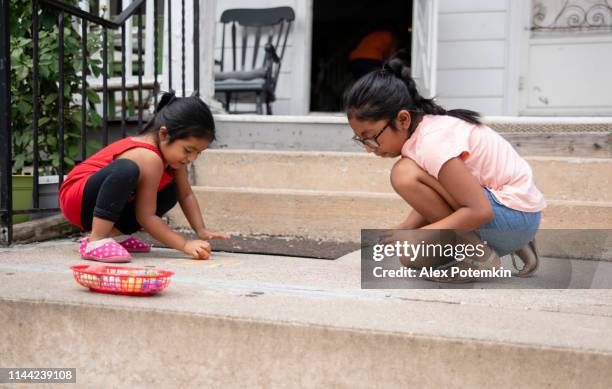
[187, 200]
[151, 169]
[191, 208]
[475, 208]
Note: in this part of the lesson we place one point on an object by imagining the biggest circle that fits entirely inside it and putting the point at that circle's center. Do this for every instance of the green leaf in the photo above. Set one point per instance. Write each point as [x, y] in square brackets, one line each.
[21, 73]
[96, 70]
[94, 119]
[75, 116]
[93, 96]
[51, 98]
[17, 141]
[73, 149]
[69, 161]
[25, 138]
[16, 54]
[42, 121]
[19, 160]
[45, 72]
[25, 108]
[25, 41]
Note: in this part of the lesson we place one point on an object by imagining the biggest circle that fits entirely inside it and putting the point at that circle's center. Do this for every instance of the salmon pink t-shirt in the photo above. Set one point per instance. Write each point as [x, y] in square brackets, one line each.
[488, 156]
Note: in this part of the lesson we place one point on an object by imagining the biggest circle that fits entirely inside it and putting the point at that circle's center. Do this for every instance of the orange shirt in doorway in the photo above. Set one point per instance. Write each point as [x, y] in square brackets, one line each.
[376, 45]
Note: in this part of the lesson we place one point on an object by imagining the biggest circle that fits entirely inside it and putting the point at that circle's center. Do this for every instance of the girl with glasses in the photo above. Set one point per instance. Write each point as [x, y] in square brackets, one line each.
[455, 172]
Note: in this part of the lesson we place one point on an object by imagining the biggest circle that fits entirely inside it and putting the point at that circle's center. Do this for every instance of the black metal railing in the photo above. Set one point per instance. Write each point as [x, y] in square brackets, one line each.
[64, 13]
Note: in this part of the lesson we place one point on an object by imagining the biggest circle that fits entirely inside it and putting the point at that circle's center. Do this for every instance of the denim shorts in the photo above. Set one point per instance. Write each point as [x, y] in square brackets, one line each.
[510, 229]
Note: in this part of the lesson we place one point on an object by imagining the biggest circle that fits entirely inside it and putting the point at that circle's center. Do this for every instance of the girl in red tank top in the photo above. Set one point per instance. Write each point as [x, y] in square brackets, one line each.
[131, 183]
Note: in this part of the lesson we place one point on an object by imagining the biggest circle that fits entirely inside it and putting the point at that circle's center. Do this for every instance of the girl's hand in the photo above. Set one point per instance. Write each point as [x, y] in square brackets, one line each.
[210, 235]
[197, 249]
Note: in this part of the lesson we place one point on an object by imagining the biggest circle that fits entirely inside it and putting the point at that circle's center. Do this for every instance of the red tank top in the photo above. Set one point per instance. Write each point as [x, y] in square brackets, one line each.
[71, 192]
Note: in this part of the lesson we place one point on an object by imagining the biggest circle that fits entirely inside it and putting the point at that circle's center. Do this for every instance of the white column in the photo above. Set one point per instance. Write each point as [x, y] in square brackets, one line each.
[207, 30]
[302, 57]
[149, 45]
[176, 56]
[129, 49]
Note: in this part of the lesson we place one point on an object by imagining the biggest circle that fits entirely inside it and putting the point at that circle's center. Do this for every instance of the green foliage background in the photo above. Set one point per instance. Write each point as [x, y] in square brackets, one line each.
[48, 76]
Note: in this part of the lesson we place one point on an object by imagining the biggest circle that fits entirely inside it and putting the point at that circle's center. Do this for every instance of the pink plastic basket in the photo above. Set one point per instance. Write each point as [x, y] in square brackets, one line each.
[133, 281]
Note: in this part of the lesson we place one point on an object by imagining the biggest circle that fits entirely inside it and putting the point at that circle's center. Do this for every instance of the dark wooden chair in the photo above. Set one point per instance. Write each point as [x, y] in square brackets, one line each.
[255, 76]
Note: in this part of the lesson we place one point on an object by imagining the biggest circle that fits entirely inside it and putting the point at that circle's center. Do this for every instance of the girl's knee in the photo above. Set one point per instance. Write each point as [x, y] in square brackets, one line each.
[127, 166]
[127, 169]
[405, 174]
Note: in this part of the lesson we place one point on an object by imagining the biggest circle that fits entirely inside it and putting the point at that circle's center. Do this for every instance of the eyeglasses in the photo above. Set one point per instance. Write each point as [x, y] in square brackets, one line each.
[371, 142]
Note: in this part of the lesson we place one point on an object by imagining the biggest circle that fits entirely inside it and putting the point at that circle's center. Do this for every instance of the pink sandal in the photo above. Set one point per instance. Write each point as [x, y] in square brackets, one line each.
[104, 250]
[134, 245]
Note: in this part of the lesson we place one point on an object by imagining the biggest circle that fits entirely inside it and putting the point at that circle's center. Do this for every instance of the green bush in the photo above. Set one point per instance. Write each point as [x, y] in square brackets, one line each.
[48, 80]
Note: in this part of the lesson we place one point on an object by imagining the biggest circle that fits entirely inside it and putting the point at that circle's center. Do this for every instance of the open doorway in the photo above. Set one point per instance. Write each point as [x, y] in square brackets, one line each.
[338, 29]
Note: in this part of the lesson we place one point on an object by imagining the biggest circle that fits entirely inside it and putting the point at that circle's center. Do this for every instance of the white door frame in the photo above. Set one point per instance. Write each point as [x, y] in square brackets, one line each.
[300, 104]
[424, 55]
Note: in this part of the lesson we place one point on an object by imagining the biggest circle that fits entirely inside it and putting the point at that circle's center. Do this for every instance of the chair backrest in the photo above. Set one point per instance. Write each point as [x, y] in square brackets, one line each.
[276, 22]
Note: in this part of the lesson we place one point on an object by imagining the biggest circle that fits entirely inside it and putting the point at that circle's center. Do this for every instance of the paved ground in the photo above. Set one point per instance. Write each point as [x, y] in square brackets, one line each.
[327, 293]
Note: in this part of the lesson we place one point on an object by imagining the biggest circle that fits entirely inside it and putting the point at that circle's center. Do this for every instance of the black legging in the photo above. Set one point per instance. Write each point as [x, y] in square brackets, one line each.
[106, 196]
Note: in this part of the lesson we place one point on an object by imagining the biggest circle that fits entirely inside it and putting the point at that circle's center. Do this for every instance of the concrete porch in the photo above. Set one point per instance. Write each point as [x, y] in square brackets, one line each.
[272, 321]
[290, 186]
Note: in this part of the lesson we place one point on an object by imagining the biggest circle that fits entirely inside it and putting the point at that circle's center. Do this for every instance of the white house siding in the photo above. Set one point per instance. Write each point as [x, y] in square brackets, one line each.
[473, 51]
[293, 88]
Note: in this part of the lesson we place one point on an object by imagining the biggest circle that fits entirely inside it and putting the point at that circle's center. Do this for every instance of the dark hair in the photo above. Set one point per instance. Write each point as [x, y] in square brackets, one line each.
[184, 117]
[381, 94]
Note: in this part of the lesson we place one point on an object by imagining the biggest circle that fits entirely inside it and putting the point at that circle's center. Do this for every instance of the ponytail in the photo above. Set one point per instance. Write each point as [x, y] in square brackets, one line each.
[183, 117]
[381, 94]
[166, 99]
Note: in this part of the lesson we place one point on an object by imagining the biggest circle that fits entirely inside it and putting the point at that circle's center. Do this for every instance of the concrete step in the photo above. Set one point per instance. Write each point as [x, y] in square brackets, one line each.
[548, 136]
[322, 188]
[281, 322]
[585, 179]
[332, 216]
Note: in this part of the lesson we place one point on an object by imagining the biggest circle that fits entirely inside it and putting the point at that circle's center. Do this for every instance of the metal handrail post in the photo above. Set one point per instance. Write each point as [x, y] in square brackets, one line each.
[6, 142]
